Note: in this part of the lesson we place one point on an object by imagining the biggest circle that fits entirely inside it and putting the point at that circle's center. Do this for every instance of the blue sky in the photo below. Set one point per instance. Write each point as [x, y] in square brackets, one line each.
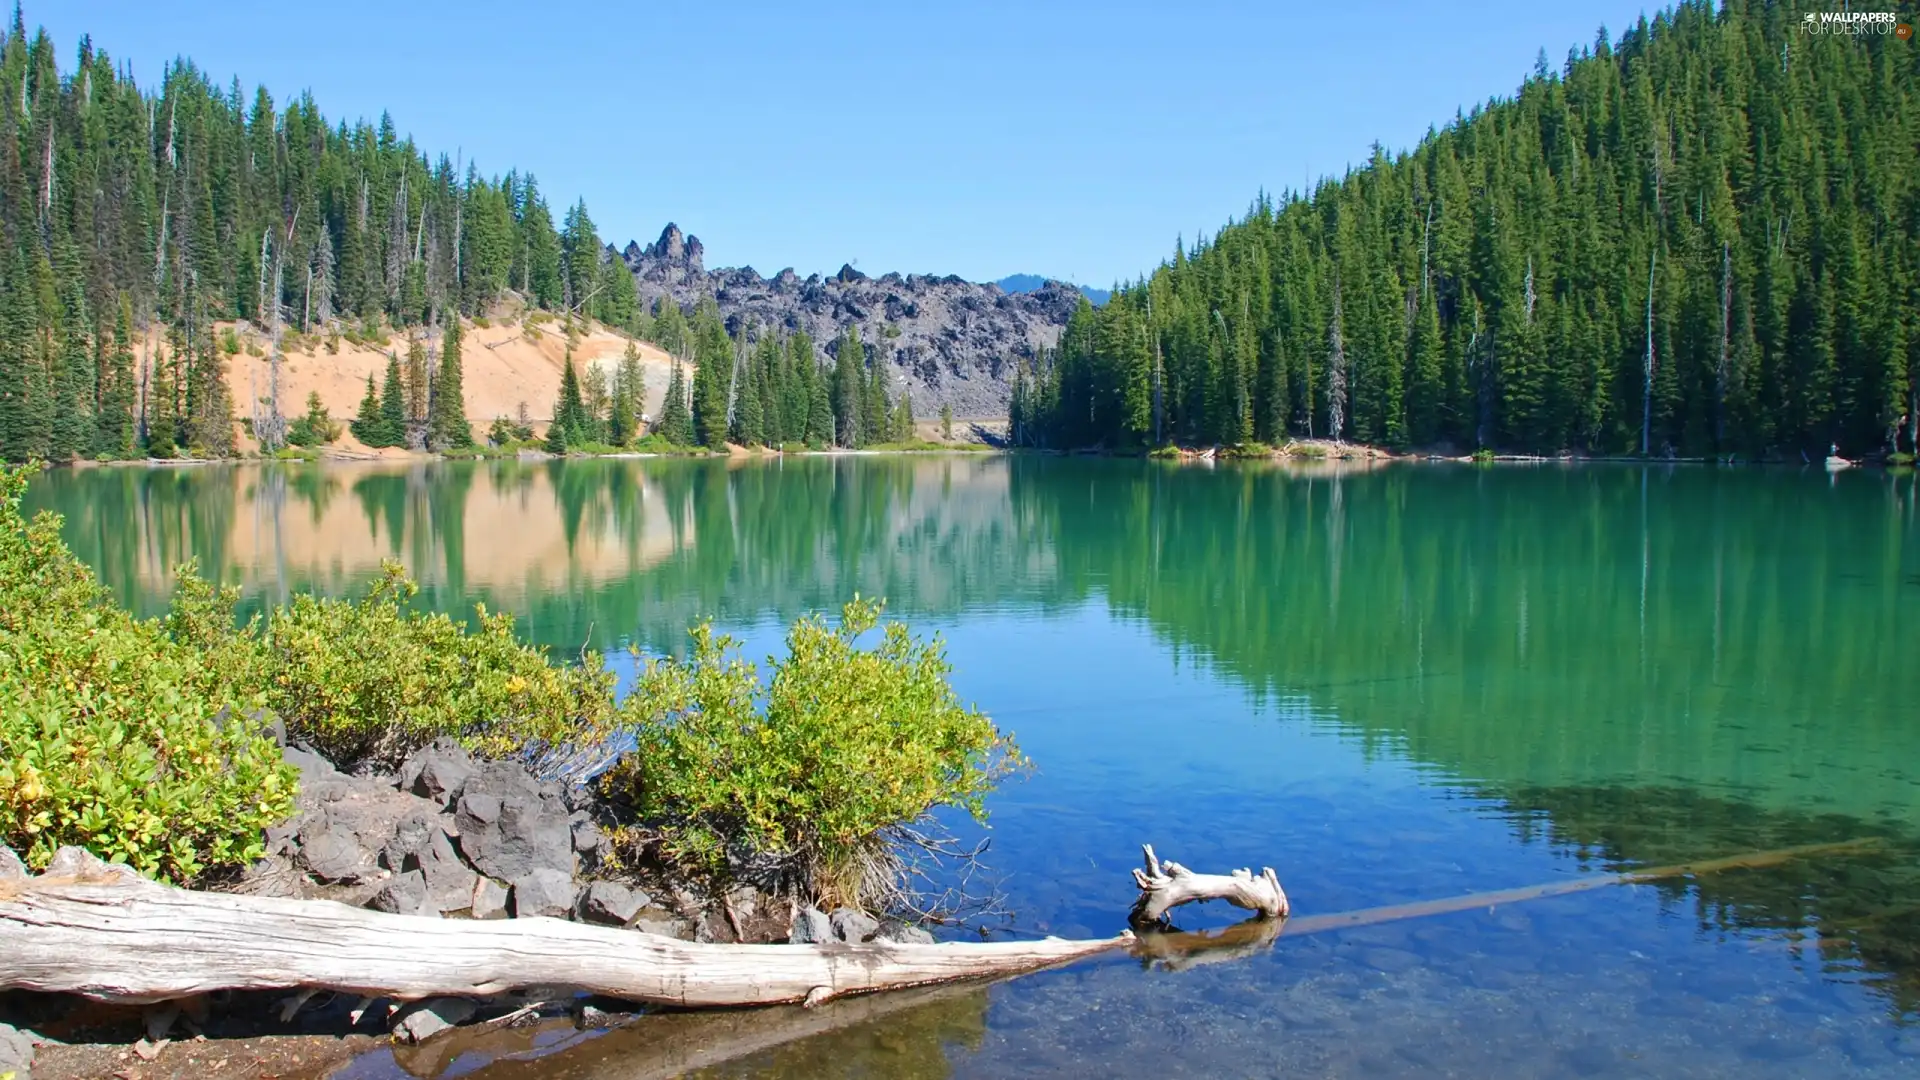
[1071, 139]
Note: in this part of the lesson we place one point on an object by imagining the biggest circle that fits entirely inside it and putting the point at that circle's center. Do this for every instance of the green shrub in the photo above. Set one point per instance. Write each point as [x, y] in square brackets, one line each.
[369, 680]
[116, 734]
[315, 427]
[1483, 456]
[1250, 451]
[819, 768]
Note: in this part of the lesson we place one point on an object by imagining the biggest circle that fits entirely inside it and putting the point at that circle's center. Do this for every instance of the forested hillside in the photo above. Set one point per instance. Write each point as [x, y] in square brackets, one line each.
[196, 203]
[1702, 238]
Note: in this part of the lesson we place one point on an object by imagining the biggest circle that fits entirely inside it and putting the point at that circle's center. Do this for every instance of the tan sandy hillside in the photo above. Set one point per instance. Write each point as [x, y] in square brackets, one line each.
[502, 365]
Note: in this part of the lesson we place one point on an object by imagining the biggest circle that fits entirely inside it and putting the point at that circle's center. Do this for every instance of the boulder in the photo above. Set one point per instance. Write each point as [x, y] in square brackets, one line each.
[16, 1051]
[11, 868]
[611, 903]
[853, 926]
[658, 920]
[438, 773]
[450, 881]
[332, 853]
[903, 933]
[511, 825]
[406, 894]
[489, 899]
[810, 927]
[587, 837]
[543, 892]
[411, 835]
[423, 1020]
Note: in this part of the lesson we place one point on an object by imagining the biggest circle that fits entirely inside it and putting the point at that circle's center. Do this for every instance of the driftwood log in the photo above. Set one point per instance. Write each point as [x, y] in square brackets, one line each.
[102, 931]
[1164, 886]
[105, 932]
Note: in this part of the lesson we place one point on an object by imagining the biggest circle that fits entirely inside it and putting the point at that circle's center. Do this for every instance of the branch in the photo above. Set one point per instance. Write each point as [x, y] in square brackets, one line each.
[1164, 886]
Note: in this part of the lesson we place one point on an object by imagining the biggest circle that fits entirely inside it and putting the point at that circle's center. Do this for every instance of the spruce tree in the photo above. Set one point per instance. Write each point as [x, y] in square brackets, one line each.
[849, 375]
[676, 422]
[367, 425]
[569, 412]
[629, 390]
[393, 406]
[447, 425]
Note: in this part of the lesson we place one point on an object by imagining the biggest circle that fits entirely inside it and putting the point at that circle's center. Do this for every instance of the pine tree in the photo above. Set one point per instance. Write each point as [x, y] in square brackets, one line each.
[447, 424]
[569, 411]
[367, 425]
[393, 406]
[675, 423]
[629, 390]
[849, 375]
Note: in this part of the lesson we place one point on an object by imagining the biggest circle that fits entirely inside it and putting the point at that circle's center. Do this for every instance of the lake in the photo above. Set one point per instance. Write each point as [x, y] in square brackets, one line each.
[1390, 684]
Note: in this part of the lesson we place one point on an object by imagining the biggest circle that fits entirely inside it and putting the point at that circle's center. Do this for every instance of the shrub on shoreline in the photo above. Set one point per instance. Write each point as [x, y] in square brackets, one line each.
[115, 735]
[145, 740]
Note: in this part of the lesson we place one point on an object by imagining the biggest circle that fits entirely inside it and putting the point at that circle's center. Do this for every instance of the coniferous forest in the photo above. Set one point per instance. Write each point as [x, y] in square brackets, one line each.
[124, 209]
[1702, 238]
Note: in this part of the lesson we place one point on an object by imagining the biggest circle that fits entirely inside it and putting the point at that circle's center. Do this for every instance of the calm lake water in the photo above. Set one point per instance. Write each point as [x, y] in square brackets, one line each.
[1391, 685]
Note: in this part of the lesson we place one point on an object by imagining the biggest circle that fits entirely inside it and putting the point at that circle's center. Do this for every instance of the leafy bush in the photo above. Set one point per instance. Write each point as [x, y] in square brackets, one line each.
[128, 737]
[1483, 456]
[368, 680]
[821, 767]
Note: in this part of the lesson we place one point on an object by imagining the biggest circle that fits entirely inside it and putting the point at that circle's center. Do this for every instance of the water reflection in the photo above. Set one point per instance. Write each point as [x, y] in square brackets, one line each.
[1580, 668]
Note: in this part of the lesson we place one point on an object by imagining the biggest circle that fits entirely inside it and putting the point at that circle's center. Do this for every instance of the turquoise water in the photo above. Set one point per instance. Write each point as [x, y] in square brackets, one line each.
[1391, 685]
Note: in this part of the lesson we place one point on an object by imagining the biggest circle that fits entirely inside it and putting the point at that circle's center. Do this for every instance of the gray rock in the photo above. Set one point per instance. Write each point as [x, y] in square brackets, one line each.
[611, 903]
[450, 882]
[423, 1020]
[332, 853]
[902, 933]
[16, 1052]
[313, 768]
[11, 868]
[853, 926]
[410, 836]
[437, 773]
[948, 341]
[542, 892]
[810, 927]
[658, 920]
[489, 899]
[511, 825]
[406, 894]
[587, 837]
[478, 808]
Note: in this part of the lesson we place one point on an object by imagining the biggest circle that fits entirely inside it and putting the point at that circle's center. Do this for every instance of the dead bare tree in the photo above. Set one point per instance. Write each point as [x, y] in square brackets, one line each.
[1336, 369]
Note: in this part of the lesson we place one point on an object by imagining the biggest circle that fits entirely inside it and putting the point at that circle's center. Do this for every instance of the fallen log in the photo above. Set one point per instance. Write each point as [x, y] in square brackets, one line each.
[103, 931]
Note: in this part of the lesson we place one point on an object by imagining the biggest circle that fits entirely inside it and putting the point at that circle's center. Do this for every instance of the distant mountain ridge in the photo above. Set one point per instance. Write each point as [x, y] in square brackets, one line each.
[1019, 283]
[951, 342]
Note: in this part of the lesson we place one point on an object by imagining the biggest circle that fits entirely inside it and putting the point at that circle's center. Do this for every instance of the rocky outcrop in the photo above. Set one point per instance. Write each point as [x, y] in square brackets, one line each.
[949, 342]
[449, 835]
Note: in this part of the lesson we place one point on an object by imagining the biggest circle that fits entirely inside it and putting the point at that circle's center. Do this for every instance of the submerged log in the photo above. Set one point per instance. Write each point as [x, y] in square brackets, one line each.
[1164, 886]
[103, 931]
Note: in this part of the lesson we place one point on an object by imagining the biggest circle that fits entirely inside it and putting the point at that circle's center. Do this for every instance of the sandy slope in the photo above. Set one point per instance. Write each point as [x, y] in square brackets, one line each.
[501, 365]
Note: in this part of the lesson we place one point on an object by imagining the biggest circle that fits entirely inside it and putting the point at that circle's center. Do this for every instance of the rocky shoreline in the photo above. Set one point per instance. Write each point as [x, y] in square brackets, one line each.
[445, 835]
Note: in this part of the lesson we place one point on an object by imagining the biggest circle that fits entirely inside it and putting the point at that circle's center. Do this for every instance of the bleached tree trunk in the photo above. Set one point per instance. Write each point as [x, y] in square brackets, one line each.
[103, 931]
[1646, 389]
[1336, 370]
[1164, 886]
[1722, 375]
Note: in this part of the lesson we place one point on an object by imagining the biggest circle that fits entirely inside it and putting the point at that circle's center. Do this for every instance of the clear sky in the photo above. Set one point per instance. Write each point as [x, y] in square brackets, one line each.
[1059, 137]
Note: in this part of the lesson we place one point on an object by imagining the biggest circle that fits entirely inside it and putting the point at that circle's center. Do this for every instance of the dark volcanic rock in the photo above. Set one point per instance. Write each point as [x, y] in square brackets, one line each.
[947, 341]
[405, 894]
[543, 892]
[611, 903]
[423, 1020]
[852, 926]
[511, 825]
[903, 933]
[810, 927]
[437, 773]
